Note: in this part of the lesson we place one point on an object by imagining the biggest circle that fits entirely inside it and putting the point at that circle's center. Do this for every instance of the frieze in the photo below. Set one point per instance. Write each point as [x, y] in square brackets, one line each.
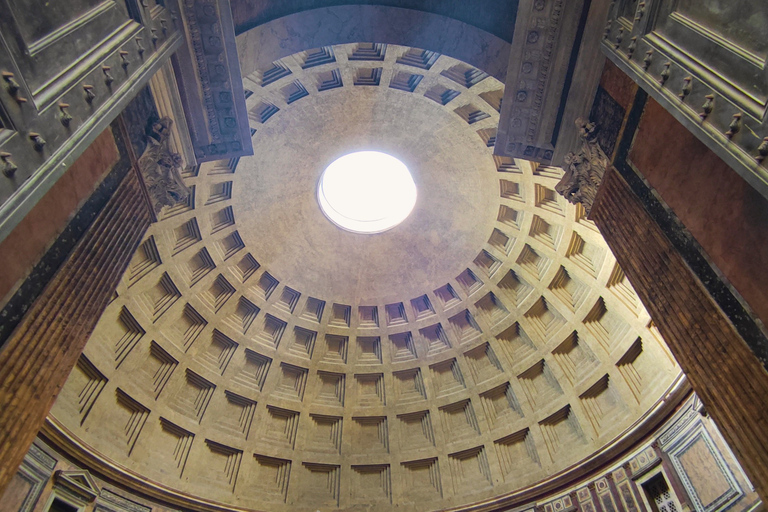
[533, 77]
[538, 86]
[109, 501]
[643, 462]
[565, 504]
[551, 25]
[212, 91]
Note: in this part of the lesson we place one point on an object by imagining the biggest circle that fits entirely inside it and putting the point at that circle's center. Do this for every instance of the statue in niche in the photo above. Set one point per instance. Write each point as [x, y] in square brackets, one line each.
[160, 168]
[584, 169]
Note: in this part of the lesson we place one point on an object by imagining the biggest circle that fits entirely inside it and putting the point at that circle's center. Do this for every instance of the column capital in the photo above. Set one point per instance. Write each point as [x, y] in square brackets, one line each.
[160, 168]
[584, 168]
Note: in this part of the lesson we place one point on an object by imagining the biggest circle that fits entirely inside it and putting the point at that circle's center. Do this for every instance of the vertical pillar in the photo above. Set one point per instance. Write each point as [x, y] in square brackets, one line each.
[720, 366]
[39, 355]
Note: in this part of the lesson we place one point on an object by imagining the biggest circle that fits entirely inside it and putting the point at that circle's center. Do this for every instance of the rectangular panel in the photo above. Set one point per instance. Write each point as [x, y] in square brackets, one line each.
[702, 470]
[38, 18]
[55, 45]
[743, 22]
[707, 64]
[86, 69]
[719, 38]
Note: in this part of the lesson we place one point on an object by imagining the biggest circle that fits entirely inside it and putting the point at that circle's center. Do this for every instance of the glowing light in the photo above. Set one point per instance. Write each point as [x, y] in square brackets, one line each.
[366, 192]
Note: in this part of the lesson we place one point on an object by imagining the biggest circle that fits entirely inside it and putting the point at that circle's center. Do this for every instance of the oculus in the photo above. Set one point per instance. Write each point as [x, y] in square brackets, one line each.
[366, 192]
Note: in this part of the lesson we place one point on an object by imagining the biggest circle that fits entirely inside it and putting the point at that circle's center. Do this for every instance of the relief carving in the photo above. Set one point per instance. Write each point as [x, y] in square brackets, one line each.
[584, 169]
[160, 168]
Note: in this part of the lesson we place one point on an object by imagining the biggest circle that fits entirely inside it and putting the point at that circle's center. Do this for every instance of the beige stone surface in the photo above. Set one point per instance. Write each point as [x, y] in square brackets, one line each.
[259, 357]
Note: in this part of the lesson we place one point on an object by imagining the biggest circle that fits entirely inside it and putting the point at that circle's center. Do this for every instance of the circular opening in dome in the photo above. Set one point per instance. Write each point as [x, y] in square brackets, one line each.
[366, 192]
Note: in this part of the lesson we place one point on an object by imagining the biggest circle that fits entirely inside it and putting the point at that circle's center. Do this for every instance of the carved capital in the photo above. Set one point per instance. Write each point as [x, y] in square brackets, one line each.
[160, 168]
[584, 169]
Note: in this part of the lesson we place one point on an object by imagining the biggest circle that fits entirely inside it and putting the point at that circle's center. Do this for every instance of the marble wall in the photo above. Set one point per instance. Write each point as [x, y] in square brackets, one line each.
[725, 215]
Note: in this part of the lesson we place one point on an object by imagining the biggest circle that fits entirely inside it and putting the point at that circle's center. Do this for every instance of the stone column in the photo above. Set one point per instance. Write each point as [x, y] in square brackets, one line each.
[39, 355]
[722, 369]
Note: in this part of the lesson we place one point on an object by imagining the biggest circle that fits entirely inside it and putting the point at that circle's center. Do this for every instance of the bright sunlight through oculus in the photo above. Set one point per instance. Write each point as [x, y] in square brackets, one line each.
[366, 192]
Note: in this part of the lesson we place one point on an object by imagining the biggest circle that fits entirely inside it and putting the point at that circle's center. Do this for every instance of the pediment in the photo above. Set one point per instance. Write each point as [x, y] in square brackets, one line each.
[79, 483]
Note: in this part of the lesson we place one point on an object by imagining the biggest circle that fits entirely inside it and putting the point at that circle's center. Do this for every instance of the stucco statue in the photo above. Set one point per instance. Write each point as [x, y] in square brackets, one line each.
[160, 168]
[584, 169]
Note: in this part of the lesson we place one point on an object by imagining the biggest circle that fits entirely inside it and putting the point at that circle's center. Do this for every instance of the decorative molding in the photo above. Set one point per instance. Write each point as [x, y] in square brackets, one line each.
[75, 124]
[109, 501]
[566, 503]
[78, 484]
[531, 80]
[584, 169]
[643, 462]
[684, 418]
[211, 83]
[39, 458]
[36, 469]
[552, 75]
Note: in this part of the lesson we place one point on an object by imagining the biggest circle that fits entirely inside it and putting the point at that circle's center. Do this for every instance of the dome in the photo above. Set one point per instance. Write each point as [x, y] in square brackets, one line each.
[257, 356]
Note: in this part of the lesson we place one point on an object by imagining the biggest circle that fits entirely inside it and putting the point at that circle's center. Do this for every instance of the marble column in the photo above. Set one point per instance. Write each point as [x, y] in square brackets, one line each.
[41, 352]
[719, 364]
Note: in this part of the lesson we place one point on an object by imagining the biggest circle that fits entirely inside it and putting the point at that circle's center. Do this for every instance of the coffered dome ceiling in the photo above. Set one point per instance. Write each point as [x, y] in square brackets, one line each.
[256, 356]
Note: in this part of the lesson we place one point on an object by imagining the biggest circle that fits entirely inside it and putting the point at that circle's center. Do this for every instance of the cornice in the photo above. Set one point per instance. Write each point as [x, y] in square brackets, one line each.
[61, 438]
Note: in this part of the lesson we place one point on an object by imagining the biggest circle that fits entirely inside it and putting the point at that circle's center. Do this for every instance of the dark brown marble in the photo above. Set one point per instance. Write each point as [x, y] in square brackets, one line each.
[618, 85]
